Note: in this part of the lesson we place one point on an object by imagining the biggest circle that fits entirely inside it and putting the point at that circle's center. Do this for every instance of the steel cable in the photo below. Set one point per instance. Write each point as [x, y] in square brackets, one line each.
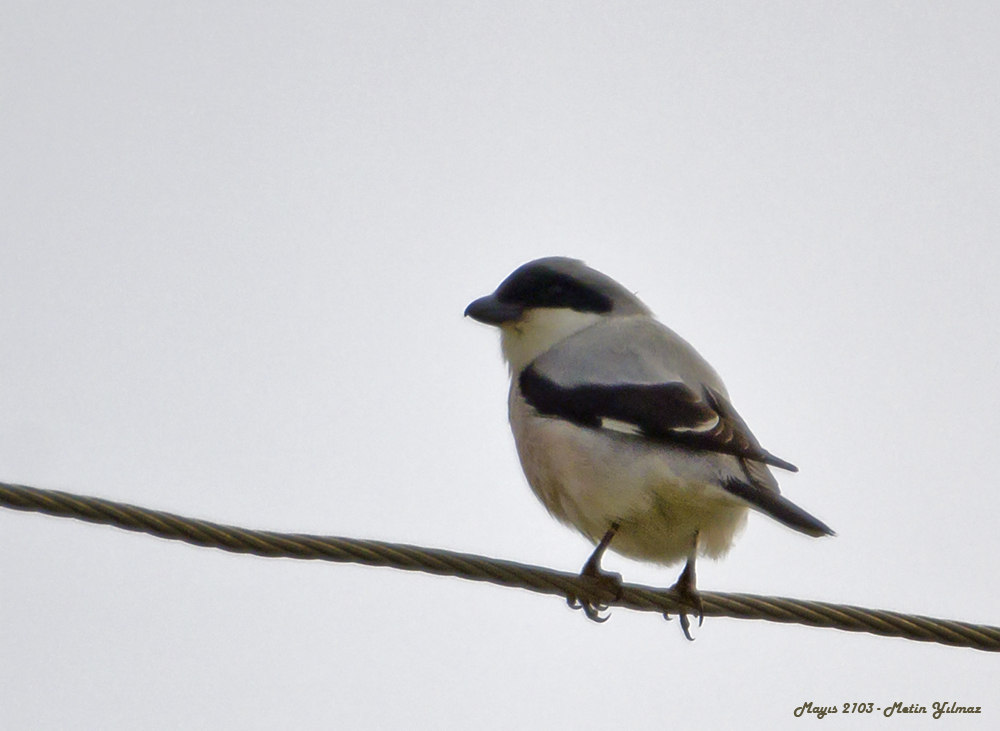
[495, 571]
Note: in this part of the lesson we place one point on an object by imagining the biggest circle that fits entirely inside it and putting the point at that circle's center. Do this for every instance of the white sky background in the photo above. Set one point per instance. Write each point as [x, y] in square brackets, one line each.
[236, 242]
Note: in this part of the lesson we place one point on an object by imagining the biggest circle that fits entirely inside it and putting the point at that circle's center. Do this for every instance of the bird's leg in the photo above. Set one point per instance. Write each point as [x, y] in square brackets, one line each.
[605, 582]
[593, 566]
[687, 592]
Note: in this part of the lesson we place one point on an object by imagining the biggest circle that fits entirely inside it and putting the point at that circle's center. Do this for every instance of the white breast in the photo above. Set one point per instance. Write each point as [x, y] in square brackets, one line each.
[659, 495]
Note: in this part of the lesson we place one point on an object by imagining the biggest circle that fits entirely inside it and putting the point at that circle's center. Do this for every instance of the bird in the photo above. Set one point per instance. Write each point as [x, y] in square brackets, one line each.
[623, 430]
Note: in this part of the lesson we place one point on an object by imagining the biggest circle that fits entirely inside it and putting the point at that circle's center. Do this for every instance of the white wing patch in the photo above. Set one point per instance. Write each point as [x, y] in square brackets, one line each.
[620, 426]
[705, 426]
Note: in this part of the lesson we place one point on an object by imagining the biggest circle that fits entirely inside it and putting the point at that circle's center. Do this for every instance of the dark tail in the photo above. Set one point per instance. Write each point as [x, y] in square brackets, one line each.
[782, 510]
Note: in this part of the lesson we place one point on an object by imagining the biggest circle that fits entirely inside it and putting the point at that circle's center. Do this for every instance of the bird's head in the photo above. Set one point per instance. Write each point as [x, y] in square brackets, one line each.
[547, 300]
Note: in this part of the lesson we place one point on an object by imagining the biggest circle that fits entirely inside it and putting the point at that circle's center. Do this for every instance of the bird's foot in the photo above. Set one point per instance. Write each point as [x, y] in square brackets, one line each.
[688, 596]
[604, 586]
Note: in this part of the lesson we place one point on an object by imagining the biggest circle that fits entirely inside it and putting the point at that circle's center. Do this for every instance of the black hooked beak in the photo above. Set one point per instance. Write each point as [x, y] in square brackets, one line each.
[491, 311]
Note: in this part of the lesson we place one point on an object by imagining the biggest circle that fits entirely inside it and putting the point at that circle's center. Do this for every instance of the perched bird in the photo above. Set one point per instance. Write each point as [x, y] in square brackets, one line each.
[623, 430]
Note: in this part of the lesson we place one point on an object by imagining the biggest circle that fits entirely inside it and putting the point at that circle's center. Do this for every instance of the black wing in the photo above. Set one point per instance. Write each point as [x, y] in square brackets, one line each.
[670, 412]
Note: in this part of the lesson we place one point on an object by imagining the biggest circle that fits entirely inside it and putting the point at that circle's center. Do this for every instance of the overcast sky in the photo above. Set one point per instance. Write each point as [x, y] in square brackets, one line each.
[236, 242]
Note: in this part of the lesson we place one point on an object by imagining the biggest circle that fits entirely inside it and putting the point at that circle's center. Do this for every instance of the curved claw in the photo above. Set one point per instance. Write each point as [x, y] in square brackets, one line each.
[594, 617]
[693, 601]
[590, 608]
[605, 584]
[687, 595]
[686, 626]
[685, 623]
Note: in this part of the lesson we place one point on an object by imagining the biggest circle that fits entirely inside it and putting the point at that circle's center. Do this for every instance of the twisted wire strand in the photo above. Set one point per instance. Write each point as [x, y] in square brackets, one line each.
[495, 571]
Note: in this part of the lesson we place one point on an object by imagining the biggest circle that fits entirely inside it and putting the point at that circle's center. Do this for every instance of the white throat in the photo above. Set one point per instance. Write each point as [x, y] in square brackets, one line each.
[536, 332]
